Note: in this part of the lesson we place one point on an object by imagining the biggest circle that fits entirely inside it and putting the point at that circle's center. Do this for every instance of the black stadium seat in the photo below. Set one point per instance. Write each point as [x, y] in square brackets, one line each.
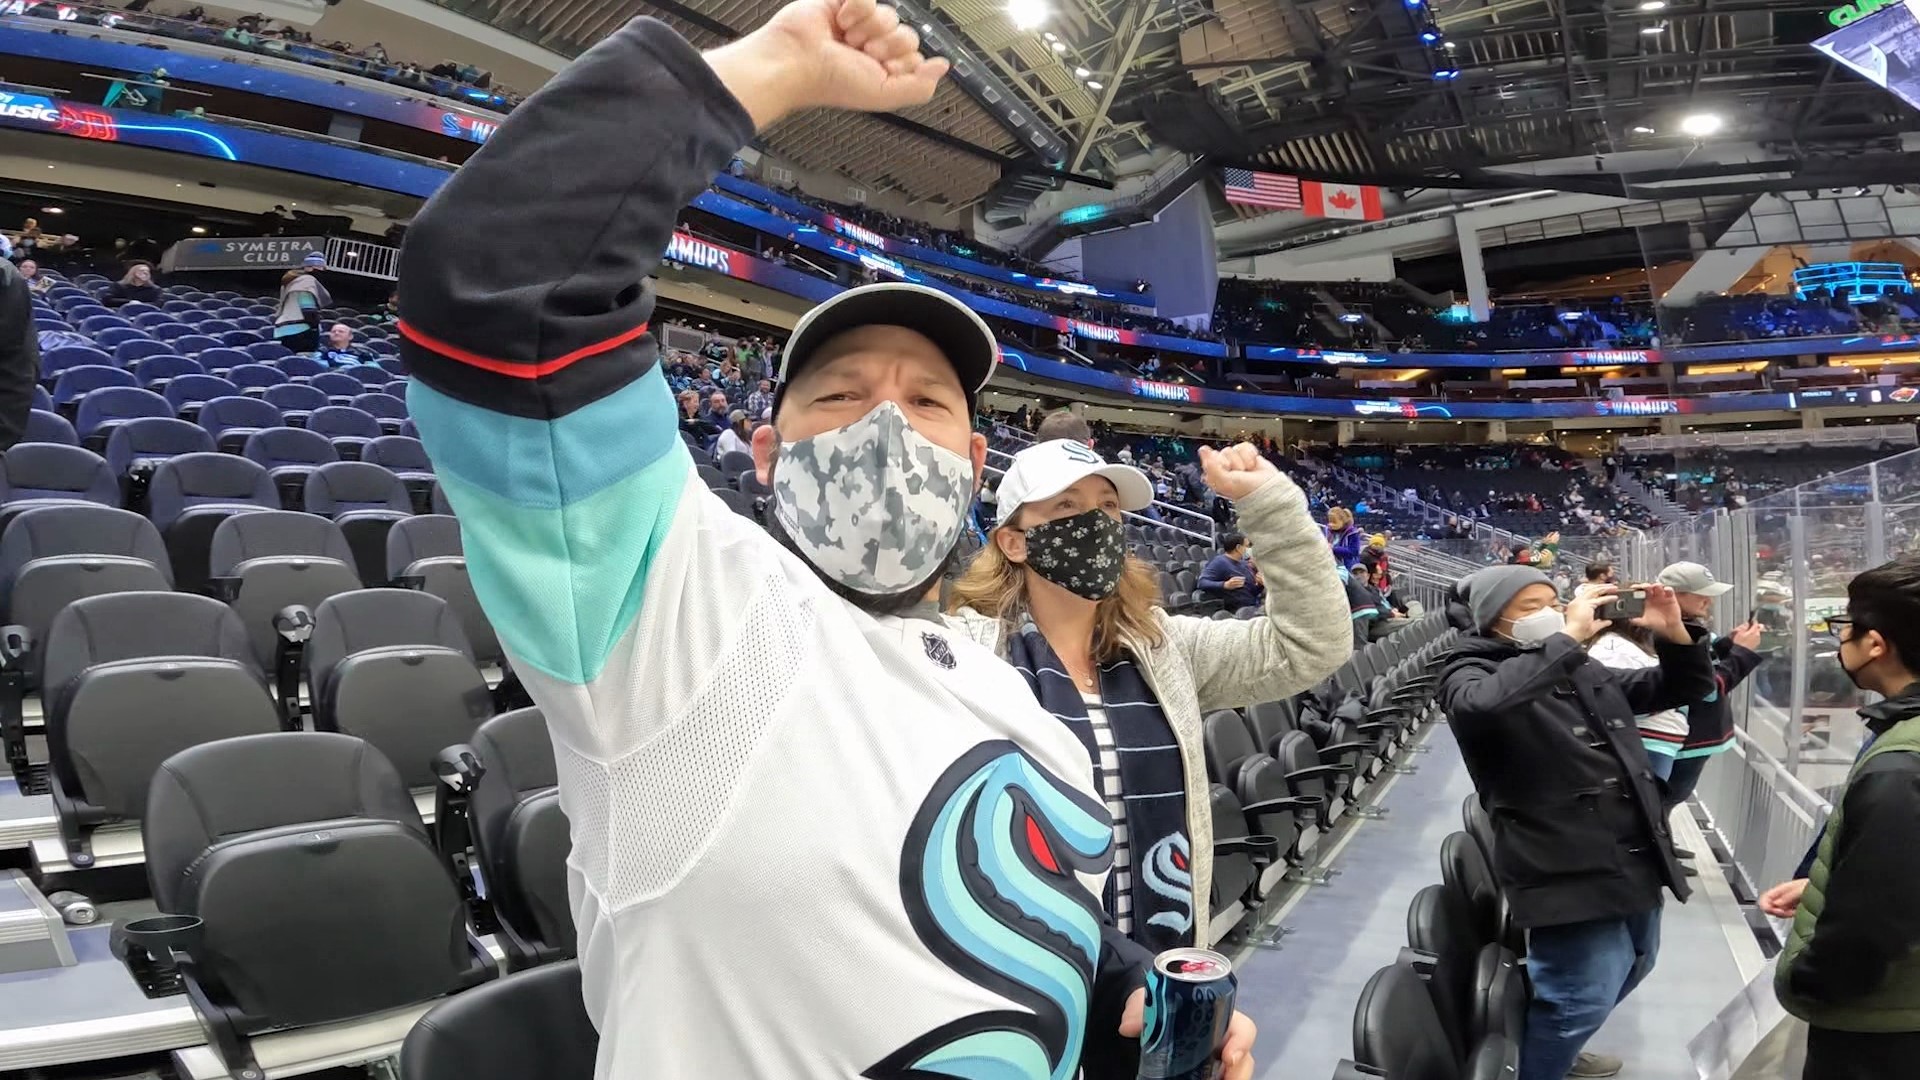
[1398, 1031]
[40, 474]
[319, 895]
[365, 500]
[393, 667]
[424, 552]
[263, 562]
[131, 679]
[289, 455]
[519, 836]
[191, 495]
[533, 1023]
[56, 554]
[1477, 987]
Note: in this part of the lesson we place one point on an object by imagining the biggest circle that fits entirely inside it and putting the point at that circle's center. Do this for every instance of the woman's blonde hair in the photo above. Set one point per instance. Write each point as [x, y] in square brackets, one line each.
[1339, 517]
[296, 272]
[997, 586]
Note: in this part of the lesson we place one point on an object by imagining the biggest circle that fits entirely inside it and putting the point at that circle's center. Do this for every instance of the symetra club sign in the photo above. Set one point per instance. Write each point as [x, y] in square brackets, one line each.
[1859, 9]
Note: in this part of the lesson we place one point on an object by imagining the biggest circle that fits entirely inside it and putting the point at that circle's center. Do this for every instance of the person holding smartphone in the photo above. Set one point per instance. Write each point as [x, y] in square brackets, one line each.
[1581, 845]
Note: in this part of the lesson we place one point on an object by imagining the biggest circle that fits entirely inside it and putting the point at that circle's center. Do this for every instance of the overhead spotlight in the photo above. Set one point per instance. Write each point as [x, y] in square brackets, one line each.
[1059, 46]
[1094, 84]
[1701, 125]
[1642, 129]
[1429, 35]
[1653, 31]
[1447, 73]
[1653, 5]
[1081, 73]
[199, 230]
[1449, 46]
[1051, 36]
[1028, 14]
[53, 210]
[926, 28]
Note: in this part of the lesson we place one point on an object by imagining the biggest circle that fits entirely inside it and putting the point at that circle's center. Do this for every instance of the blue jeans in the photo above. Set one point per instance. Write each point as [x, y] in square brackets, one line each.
[1662, 764]
[1684, 778]
[1580, 971]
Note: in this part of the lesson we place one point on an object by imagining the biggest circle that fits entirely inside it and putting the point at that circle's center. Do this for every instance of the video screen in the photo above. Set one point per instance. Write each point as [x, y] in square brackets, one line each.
[1884, 47]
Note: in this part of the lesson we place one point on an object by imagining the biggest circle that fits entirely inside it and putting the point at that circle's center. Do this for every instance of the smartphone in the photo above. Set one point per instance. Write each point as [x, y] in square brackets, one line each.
[1627, 605]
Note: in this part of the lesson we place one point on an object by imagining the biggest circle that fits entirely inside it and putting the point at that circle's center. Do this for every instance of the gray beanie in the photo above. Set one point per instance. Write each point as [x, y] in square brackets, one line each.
[1487, 592]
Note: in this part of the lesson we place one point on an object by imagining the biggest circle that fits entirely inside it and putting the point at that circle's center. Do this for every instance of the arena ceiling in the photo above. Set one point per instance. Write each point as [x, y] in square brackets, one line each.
[1345, 89]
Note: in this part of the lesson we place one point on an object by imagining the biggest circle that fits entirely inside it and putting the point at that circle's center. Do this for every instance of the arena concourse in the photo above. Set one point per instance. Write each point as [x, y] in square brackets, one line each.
[1582, 291]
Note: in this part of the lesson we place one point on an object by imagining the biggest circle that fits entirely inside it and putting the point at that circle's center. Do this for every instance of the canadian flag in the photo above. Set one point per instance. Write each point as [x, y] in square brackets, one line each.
[1361, 202]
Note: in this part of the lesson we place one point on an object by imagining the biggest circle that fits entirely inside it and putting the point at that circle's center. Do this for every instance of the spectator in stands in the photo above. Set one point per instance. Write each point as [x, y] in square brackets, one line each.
[1064, 424]
[1581, 846]
[695, 422]
[737, 438]
[296, 319]
[1056, 593]
[1343, 535]
[136, 285]
[1602, 573]
[37, 283]
[760, 401]
[19, 353]
[1851, 966]
[1375, 556]
[1709, 719]
[1231, 575]
[732, 709]
[716, 412]
[338, 350]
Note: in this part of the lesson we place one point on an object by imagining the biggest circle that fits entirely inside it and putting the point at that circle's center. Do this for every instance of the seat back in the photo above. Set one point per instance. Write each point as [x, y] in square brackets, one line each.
[46, 426]
[427, 548]
[52, 471]
[392, 666]
[184, 390]
[51, 556]
[1473, 817]
[295, 397]
[1233, 875]
[153, 439]
[342, 421]
[224, 414]
[322, 897]
[398, 453]
[132, 678]
[76, 382]
[1438, 925]
[113, 404]
[1397, 1030]
[279, 557]
[1228, 743]
[533, 1023]
[1470, 879]
[192, 480]
[521, 833]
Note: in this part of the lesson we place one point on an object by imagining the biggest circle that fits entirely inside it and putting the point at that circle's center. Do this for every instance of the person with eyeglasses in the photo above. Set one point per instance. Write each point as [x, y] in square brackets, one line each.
[1851, 966]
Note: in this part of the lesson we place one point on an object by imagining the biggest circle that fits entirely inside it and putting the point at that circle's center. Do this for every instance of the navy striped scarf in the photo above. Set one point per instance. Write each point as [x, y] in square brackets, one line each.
[1153, 782]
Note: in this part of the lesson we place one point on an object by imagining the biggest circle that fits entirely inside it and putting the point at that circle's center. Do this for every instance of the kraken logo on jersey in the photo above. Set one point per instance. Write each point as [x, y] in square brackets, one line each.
[1167, 871]
[988, 876]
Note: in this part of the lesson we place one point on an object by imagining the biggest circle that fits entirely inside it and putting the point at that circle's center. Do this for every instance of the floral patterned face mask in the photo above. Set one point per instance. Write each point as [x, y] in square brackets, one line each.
[1083, 554]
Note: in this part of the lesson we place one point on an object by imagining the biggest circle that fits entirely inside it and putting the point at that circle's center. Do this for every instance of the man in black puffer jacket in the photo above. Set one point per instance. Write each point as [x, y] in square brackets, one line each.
[1581, 845]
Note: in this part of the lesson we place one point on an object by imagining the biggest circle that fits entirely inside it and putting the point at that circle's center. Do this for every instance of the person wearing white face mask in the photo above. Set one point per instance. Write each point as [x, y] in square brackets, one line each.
[1581, 847]
[816, 833]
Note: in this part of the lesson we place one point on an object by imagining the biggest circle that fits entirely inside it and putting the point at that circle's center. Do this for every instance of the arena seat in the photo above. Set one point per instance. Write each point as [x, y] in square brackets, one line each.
[39, 474]
[76, 382]
[45, 426]
[1474, 819]
[101, 410]
[137, 447]
[510, 814]
[365, 500]
[339, 387]
[294, 932]
[266, 352]
[132, 679]
[1398, 1032]
[54, 361]
[424, 552]
[532, 1023]
[232, 420]
[289, 455]
[349, 428]
[393, 667]
[156, 370]
[405, 457]
[1469, 877]
[1478, 987]
[263, 562]
[188, 394]
[734, 462]
[196, 343]
[189, 496]
[296, 401]
[300, 367]
[223, 361]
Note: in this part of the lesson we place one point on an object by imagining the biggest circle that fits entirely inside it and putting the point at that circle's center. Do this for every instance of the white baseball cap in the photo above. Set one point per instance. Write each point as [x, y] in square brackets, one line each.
[1693, 578]
[1046, 470]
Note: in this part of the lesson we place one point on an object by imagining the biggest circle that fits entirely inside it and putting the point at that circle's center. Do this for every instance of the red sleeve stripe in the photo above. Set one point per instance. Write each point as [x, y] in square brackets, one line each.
[509, 368]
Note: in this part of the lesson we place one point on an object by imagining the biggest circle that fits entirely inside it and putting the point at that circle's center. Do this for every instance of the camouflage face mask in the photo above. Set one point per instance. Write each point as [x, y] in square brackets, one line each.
[874, 505]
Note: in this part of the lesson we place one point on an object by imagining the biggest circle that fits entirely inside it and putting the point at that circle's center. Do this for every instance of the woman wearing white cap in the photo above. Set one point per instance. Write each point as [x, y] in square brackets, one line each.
[1055, 592]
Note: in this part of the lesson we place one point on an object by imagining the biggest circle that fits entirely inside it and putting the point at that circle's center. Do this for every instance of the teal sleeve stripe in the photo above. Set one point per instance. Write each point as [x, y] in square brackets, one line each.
[549, 464]
[562, 584]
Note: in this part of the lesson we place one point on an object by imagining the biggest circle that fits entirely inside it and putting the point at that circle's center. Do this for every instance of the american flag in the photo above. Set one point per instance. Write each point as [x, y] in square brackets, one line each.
[1272, 190]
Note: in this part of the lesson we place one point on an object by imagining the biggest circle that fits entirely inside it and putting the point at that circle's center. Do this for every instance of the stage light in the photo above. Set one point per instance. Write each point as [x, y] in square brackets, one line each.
[1642, 129]
[1653, 31]
[1429, 35]
[1447, 73]
[1028, 14]
[1059, 46]
[1095, 85]
[1701, 125]
[1653, 5]
[1081, 73]
[200, 230]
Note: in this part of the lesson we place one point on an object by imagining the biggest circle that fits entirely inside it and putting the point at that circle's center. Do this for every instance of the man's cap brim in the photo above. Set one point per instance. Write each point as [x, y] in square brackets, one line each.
[960, 334]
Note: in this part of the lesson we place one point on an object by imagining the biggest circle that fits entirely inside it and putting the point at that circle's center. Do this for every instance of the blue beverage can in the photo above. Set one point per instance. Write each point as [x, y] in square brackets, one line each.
[1189, 1004]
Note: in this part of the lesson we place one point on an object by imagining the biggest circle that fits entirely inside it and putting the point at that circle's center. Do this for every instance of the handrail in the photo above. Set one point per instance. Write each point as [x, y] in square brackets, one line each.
[315, 136]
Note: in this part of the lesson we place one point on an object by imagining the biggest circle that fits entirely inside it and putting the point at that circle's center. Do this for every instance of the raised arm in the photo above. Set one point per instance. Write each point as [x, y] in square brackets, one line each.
[525, 306]
[1304, 632]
